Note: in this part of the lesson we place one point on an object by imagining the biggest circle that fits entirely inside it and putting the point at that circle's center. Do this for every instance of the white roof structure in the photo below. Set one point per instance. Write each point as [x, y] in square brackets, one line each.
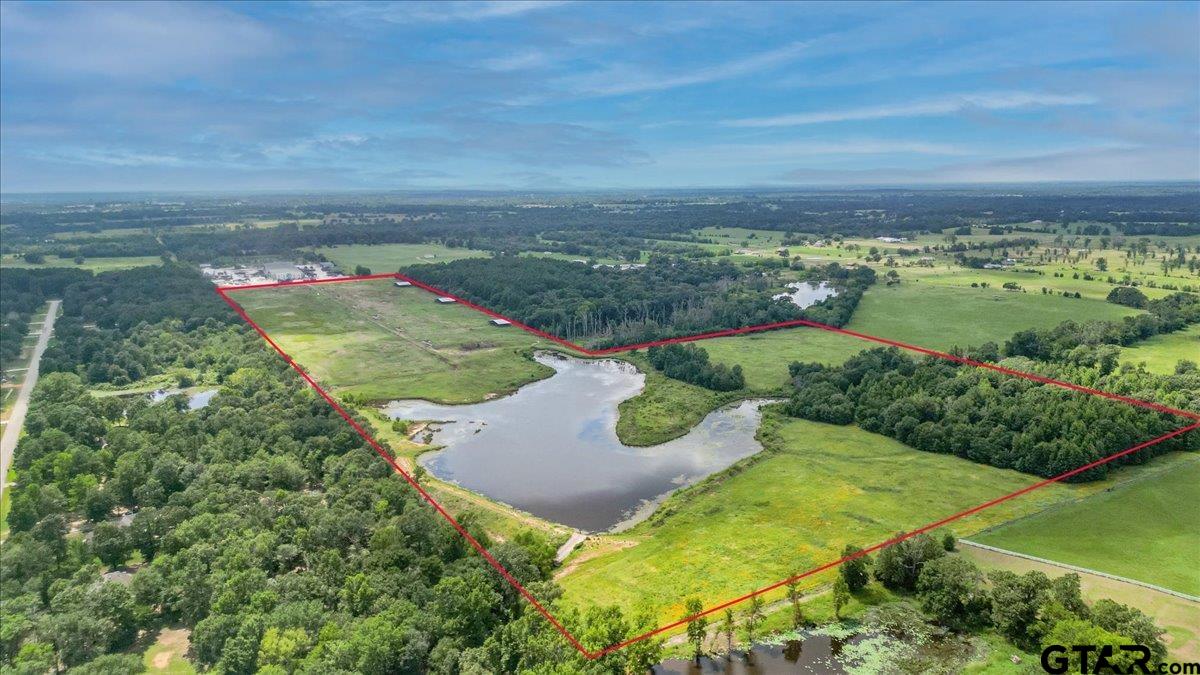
[446, 300]
[501, 322]
[402, 284]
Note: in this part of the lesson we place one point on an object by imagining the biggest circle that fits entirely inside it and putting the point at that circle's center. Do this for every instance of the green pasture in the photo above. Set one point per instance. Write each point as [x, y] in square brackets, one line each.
[1097, 288]
[380, 342]
[941, 317]
[391, 257]
[571, 257]
[1145, 529]
[764, 357]
[1161, 352]
[795, 506]
[14, 261]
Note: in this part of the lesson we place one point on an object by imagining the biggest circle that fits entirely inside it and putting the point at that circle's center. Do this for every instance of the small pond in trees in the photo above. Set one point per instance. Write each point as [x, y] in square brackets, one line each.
[808, 654]
[196, 399]
[807, 293]
[551, 448]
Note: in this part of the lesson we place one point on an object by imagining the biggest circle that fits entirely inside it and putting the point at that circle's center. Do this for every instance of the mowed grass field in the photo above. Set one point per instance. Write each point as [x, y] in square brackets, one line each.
[91, 264]
[1146, 529]
[916, 312]
[1096, 289]
[815, 489]
[391, 257]
[1161, 352]
[764, 357]
[941, 317]
[380, 342]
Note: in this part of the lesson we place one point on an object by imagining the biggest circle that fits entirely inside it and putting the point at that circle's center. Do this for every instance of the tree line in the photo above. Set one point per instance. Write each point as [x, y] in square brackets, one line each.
[606, 306]
[121, 327]
[1164, 315]
[670, 297]
[939, 406]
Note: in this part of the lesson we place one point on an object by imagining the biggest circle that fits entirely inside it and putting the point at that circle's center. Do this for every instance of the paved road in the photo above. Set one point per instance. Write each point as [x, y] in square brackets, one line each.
[12, 430]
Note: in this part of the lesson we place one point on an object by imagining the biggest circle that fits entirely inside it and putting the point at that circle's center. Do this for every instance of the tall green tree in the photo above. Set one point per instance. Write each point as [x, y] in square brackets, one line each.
[952, 591]
[697, 628]
[1017, 601]
[727, 627]
[793, 596]
[751, 620]
[841, 596]
[856, 572]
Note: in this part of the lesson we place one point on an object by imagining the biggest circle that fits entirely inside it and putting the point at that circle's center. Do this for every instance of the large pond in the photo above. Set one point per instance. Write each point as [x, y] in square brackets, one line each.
[807, 293]
[551, 448]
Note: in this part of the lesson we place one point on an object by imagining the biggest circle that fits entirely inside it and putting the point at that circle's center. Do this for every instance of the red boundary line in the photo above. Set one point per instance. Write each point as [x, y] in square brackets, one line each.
[223, 291]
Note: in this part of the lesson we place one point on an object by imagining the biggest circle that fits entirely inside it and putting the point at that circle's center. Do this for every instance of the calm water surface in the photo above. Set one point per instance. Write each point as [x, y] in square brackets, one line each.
[551, 448]
[196, 400]
[813, 654]
[807, 293]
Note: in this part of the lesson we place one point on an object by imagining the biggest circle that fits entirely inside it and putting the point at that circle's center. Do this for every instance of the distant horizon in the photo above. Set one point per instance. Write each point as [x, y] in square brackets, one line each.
[553, 96]
[922, 187]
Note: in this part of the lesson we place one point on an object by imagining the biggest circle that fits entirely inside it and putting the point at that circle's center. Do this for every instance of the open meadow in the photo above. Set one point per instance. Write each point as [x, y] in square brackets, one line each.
[381, 258]
[91, 264]
[941, 317]
[380, 342]
[919, 313]
[1161, 352]
[814, 489]
[1145, 529]
[764, 357]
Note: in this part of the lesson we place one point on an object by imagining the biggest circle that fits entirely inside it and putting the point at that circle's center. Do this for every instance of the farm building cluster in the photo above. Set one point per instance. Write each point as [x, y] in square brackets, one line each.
[268, 272]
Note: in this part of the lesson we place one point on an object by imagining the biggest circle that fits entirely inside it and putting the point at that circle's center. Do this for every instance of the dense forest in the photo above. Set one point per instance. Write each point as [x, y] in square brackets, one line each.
[23, 293]
[120, 327]
[265, 525]
[939, 406]
[690, 363]
[671, 296]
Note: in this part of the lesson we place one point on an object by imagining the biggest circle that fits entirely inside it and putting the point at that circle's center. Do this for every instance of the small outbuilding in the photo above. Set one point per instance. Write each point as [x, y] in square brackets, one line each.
[444, 300]
[402, 284]
[500, 322]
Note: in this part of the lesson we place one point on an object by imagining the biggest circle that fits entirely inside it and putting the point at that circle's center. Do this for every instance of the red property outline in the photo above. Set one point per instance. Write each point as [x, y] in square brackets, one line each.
[224, 291]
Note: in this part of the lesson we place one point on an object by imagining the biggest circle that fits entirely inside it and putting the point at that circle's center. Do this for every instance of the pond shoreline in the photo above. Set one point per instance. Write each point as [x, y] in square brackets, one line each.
[551, 449]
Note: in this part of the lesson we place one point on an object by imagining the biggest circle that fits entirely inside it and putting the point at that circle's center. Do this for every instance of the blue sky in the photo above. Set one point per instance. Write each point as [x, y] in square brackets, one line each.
[524, 95]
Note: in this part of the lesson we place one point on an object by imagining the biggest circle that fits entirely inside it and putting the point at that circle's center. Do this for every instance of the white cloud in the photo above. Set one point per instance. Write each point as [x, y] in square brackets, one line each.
[1099, 164]
[933, 107]
[436, 12]
[788, 152]
[142, 42]
[629, 79]
[526, 59]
